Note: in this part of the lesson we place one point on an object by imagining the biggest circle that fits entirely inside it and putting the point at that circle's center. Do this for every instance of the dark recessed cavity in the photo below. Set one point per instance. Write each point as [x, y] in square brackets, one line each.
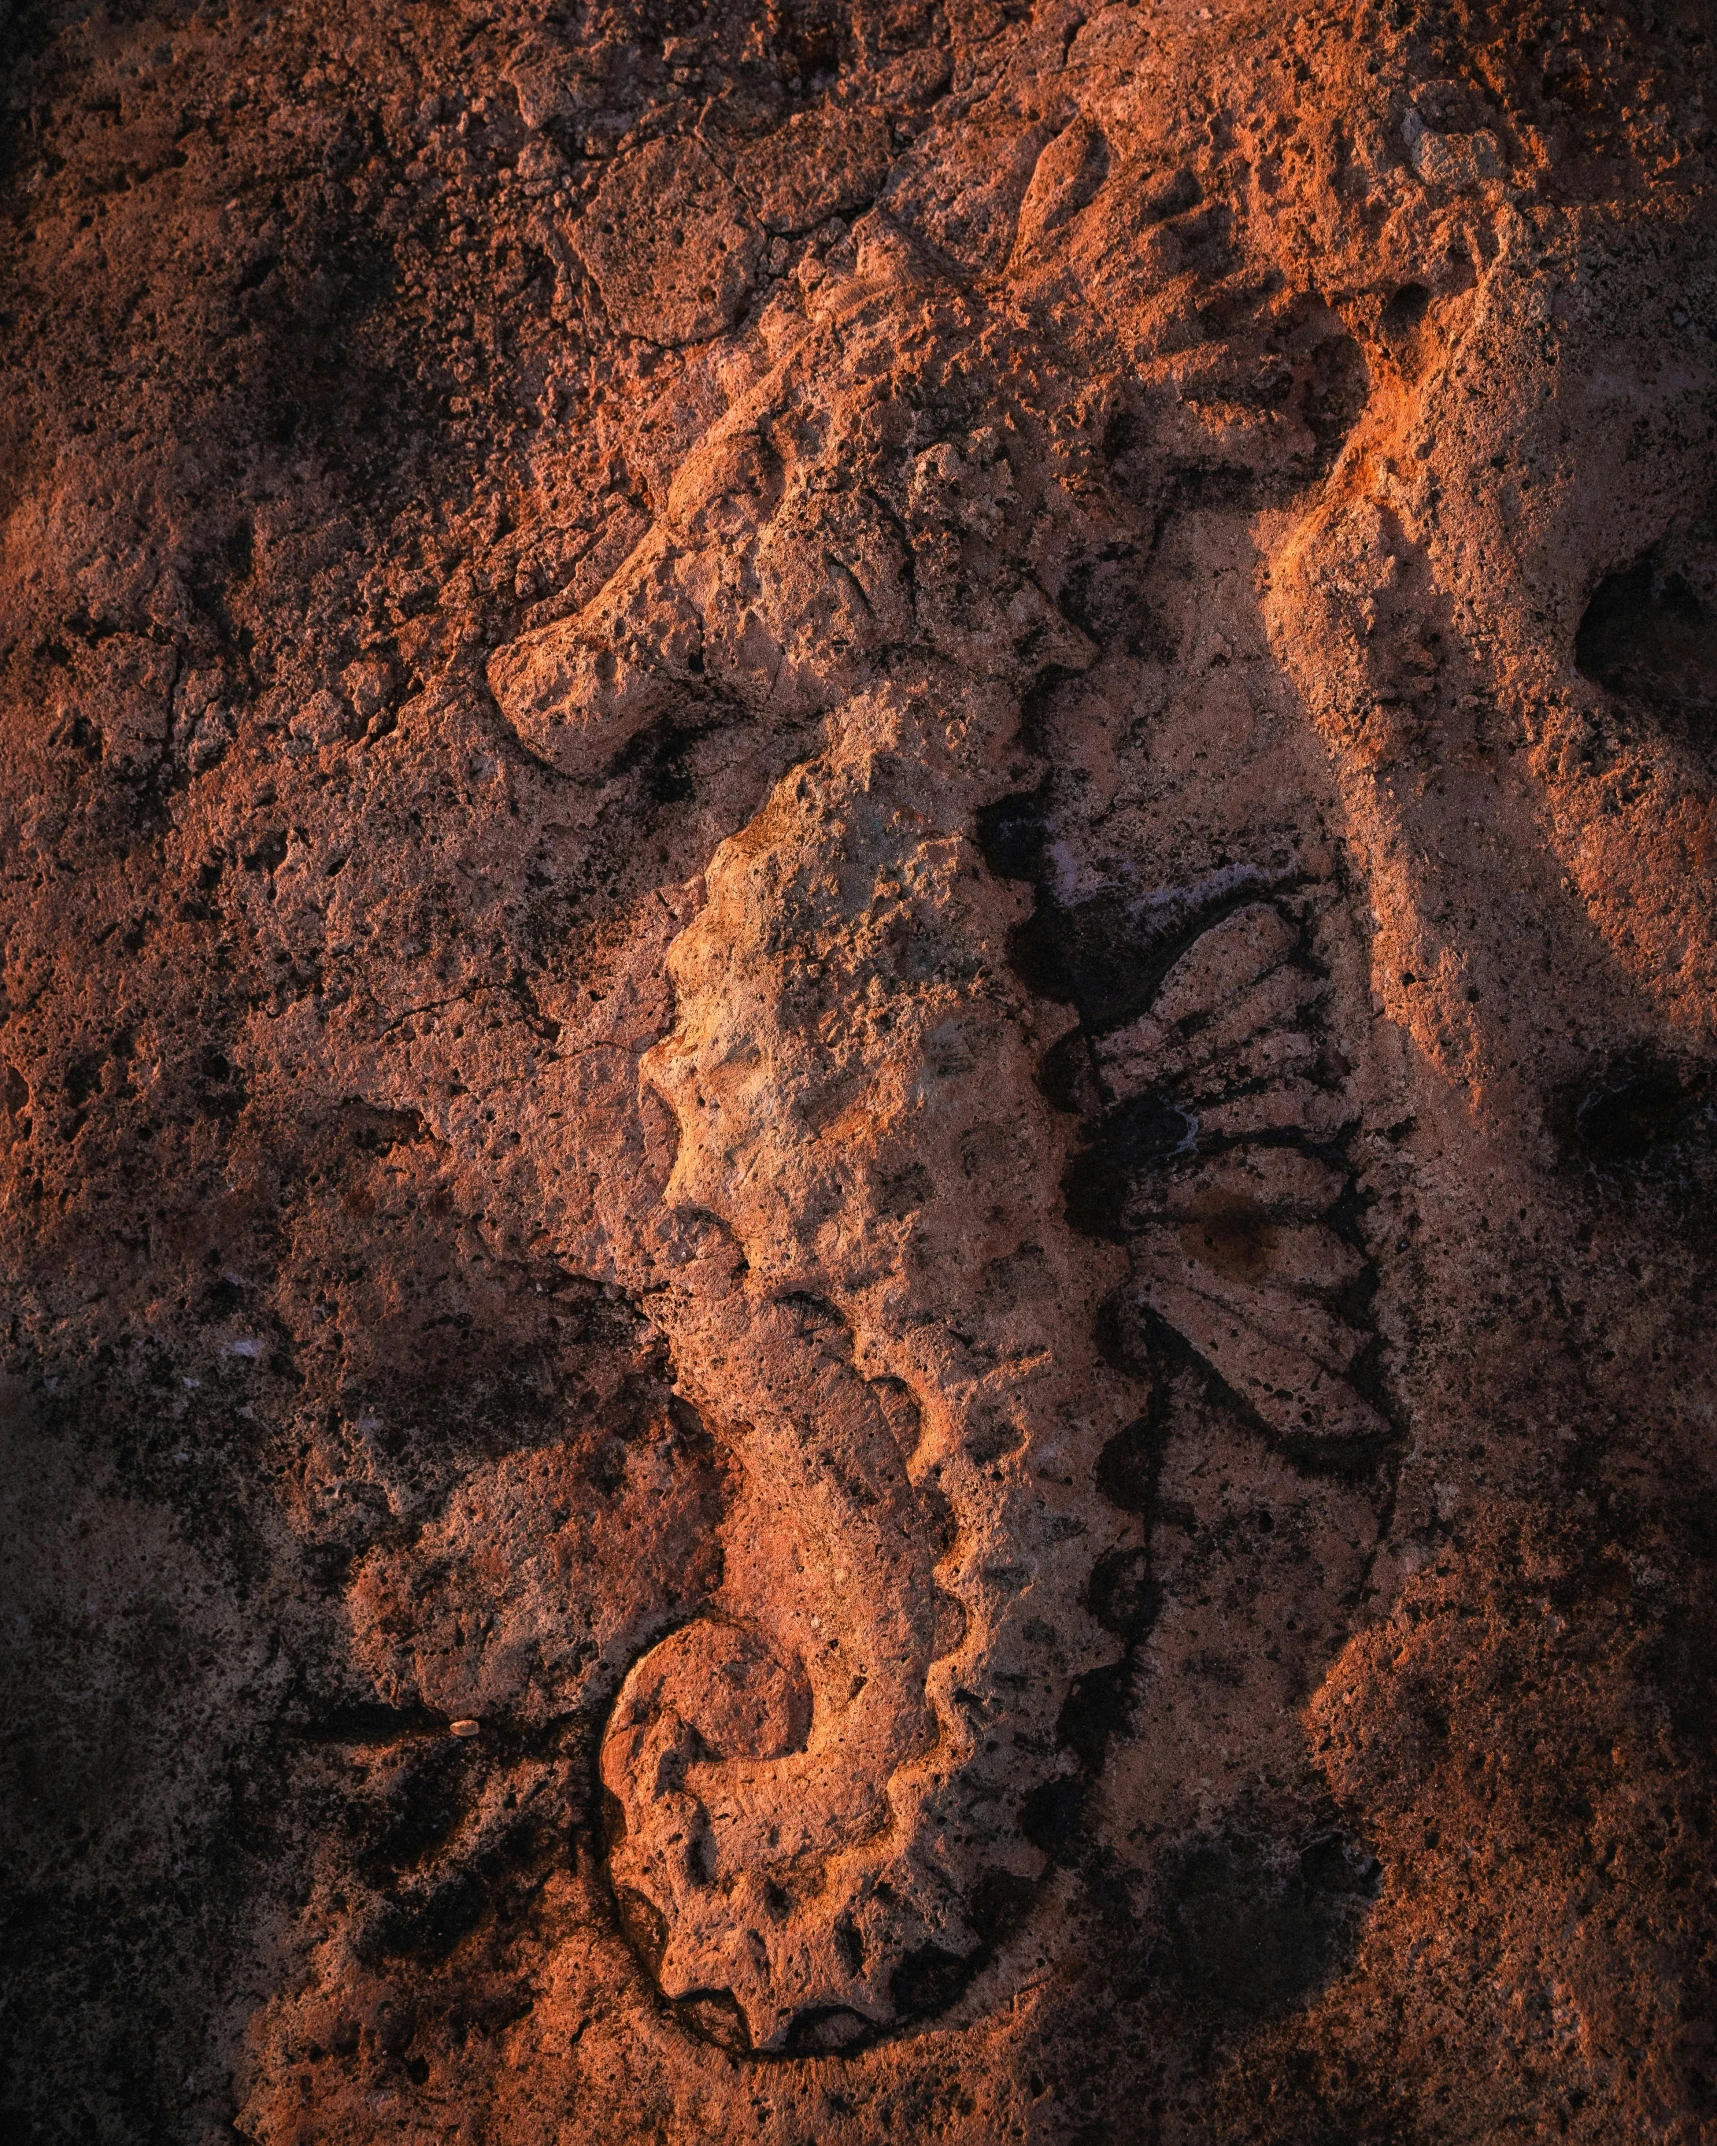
[1405, 310]
[1649, 637]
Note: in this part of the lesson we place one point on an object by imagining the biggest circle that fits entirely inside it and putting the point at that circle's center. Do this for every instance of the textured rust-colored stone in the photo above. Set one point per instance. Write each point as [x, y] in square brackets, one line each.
[858, 1106]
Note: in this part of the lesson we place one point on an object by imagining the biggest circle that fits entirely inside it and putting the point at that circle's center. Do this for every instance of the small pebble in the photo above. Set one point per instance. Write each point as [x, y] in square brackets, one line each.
[464, 1728]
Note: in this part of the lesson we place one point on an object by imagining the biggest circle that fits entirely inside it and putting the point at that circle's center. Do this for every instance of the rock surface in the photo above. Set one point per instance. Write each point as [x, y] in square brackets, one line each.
[860, 1072]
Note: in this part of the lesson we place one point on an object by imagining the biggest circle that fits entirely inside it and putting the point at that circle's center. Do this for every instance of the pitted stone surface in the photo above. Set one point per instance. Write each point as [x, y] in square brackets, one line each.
[857, 1115]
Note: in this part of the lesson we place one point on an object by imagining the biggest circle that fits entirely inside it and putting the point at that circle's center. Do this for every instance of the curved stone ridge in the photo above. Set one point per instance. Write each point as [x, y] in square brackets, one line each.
[890, 1324]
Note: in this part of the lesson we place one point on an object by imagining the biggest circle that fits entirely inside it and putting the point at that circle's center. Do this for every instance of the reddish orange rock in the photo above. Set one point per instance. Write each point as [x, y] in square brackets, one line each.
[858, 1111]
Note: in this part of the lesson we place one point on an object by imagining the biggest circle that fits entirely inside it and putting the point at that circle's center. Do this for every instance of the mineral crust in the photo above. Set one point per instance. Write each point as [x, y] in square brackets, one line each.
[858, 1072]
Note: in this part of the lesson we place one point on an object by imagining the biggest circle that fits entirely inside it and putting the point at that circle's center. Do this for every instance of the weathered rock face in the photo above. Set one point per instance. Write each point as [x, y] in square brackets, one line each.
[859, 1036]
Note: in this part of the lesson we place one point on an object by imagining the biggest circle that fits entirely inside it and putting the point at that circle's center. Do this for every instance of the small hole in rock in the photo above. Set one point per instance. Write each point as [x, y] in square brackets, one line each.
[1649, 638]
[1405, 310]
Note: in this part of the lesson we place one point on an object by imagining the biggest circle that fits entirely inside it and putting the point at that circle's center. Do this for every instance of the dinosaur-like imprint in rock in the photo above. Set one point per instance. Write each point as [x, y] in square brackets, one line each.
[826, 1800]
[816, 1795]
[821, 1799]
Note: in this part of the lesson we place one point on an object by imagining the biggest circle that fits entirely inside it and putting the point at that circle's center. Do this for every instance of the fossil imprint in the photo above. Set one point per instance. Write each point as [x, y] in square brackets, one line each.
[828, 1802]
[823, 1803]
[817, 1800]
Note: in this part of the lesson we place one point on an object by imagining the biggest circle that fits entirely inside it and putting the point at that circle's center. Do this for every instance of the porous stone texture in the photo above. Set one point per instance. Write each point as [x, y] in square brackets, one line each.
[859, 1072]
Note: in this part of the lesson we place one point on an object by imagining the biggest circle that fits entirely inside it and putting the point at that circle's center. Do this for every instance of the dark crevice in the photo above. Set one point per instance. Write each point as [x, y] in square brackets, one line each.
[1108, 956]
[1648, 637]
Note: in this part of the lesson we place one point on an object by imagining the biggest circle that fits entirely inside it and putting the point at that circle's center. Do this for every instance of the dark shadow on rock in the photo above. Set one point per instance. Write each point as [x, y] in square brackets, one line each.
[1649, 638]
[1254, 1928]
